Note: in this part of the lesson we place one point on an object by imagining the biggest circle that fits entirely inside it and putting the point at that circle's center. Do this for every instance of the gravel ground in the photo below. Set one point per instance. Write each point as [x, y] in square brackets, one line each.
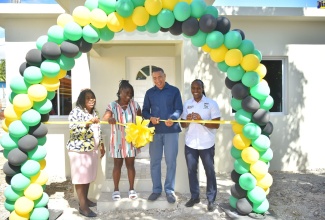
[293, 196]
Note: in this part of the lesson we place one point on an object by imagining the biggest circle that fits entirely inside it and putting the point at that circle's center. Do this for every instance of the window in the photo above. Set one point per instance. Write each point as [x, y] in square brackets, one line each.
[62, 101]
[144, 73]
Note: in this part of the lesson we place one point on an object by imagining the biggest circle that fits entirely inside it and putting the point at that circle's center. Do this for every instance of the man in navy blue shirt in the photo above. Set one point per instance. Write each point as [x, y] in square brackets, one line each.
[163, 102]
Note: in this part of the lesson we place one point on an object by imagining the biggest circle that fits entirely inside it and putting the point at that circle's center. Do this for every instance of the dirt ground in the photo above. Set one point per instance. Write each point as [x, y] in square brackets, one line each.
[292, 196]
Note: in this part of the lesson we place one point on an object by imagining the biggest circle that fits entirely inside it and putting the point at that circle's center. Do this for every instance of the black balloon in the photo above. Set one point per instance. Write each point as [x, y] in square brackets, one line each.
[8, 179]
[17, 157]
[237, 191]
[241, 33]
[38, 131]
[164, 29]
[176, 28]
[207, 23]
[45, 117]
[267, 129]
[235, 176]
[250, 104]
[10, 170]
[34, 57]
[261, 117]
[84, 46]
[51, 51]
[229, 83]
[223, 25]
[69, 49]
[239, 91]
[190, 26]
[243, 206]
[22, 68]
[27, 143]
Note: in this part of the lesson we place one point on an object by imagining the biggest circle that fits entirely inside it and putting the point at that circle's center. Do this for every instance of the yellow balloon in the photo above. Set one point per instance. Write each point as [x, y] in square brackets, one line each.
[267, 191]
[15, 216]
[261, 70]
[115, 22]
[33, 191]
[250, 155]
[63, 19]
[206, 48]
[22, 102]
[237, 128]
[233, 57]
[10, 113]
[265, 182]
[218, 54]
[140, 16]
[188, 1]
[81, 15]
[240, 141]
[153, 7]
[250, 62]
[51, 84]
[259, 169]
[40, 178]
[23, 206]
[37, 92]
[169, 4]
[62, 74]
[42, 164]
[5, 125]
[98, 18]
[129, 25]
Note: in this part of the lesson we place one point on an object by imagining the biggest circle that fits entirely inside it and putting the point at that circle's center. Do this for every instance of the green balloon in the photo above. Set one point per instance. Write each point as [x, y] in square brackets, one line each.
[246, 47]
[91, 4]
[12, 96]
[108, 6]
[31, 117]
[266, 155]
[256, 195]
[152, 25]
[252, 130]
[38, 153]
[17, 129]
[9, 205]
[243, 117]
[233, 39]
[18, 85]
[124, 8]
[235, 73]
[235, 153]
[198, 8]
[41, 202]
[5, 153]
[267, 103]
[8, 142]
[182, 11]
[90, 33]
[261, 208]
[12, 194]
[66, 63]
[106, 34]
[50, 95]
[50, 68]
[78, 55]
[250, 79]
[56, 34]
[241, 166]
[212, 11]
[260, 91]
[262, 143]
[247, 181]
[235, 104]
[199, 39]
[258, 54]
[43, 107]
[41, 213]
[33, 74]
[137, 3]
[165, 18]
[72, 31]
[30, 168]
[41, 41]
[215, 39]
[41, 141]
[19, 182]
[233, 201]
[223, 66]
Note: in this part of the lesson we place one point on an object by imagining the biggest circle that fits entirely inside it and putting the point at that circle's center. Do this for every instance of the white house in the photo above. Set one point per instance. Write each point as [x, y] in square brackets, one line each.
[295, 36]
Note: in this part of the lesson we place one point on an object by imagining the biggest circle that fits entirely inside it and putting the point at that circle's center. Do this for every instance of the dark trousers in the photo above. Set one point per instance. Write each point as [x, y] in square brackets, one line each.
[192, 160]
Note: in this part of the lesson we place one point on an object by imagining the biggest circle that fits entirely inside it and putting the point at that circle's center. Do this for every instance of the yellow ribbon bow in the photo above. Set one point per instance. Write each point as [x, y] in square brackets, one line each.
[139, 134]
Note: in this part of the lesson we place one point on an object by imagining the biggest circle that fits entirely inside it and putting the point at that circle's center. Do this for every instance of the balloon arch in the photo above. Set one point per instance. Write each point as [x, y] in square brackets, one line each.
[55, 54]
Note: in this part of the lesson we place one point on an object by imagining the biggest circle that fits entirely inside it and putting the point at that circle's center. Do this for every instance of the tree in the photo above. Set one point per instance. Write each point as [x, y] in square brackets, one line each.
[2, 70]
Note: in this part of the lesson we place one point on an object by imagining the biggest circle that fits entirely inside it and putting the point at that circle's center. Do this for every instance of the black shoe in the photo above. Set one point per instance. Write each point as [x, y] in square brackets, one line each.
[170, 198]
[92, 204]
[211, 206]
[154, 196]
[192, 202]
[89, 215]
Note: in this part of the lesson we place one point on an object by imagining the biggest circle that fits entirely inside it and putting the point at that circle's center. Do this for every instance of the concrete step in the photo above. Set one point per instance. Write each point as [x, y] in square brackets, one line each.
[139, 185]
[106, 203]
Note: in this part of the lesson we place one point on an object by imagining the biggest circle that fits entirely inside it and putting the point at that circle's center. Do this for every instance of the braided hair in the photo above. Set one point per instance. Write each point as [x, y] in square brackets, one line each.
[200, 81]
[124, 84]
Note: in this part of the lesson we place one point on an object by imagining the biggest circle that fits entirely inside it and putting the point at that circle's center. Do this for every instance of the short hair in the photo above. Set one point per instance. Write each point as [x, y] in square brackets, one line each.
[124, 84]
[157, 69]
[81, 102]
[200, 81]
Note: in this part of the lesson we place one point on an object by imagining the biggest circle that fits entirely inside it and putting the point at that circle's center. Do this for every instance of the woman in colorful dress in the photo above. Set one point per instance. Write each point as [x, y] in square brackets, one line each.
[121, 111]
[83, 145]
